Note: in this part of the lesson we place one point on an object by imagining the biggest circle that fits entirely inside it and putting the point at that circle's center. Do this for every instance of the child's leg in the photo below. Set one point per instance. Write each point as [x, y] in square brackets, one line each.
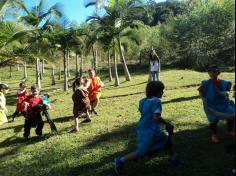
[76, 124]
[230, 125]
[88, 116]
[231, 129]
[27, 127]
[39, 127]
[213, 126]
[119, 161]
[14, 115]
[129, 157]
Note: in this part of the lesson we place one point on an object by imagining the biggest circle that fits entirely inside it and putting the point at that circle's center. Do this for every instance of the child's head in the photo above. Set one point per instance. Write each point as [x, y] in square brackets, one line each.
[155, 89]
[47, 95]
[77, 83]
[22, 85]
[35, 89]
[4, 88]
[91, 73]
[213, 72]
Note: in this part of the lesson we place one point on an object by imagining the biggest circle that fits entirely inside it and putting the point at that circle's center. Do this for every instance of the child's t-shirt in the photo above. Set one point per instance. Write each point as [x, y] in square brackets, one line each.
[210, 90]
[22, 95]
[33, 101]
[2, 101]
[147, 108]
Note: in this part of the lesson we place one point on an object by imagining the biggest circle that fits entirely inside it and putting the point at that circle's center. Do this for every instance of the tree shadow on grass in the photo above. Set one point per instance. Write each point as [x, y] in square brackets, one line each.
[200, 157]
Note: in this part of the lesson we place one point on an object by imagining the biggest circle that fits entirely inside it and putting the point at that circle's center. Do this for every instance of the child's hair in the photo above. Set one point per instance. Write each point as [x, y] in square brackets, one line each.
[213, 68]
[22, 84]
[3, 86]
[46, 95]
[76, 83]
[35, 86]
[154, 88]
[91, 70]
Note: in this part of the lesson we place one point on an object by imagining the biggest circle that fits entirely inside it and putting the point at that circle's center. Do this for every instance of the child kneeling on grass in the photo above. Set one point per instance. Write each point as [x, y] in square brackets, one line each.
[81, 102]
[215, 95]
[150, 137]
[32, 112]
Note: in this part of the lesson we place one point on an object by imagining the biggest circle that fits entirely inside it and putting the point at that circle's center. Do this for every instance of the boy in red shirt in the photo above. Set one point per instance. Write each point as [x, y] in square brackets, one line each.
[32, 105]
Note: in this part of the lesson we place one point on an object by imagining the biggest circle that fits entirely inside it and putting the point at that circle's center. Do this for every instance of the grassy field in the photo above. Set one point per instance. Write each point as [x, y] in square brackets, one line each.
[91, 152]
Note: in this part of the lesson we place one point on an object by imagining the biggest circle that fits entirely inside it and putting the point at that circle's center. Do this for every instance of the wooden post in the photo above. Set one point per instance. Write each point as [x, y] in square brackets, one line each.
[25, 71]
[53, 76]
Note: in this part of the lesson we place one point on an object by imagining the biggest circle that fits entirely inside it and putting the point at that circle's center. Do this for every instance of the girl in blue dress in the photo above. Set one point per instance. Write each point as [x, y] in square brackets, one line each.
[150, 137]
[215, 95]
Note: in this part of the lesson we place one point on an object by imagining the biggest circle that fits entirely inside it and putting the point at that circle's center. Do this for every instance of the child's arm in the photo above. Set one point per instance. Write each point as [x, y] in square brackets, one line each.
[204, 100]
[159, 119]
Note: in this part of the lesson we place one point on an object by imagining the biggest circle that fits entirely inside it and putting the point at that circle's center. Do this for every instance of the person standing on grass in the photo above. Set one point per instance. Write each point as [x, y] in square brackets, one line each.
[215, 95]
[32, 112]
[22, 93]
[81, 102]
[94, 85]
[151, 139]
[154, 66]
[4, 88]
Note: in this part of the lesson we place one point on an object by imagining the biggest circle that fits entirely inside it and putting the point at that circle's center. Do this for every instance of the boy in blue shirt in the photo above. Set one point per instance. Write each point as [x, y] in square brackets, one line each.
[215, 95]
[150, 138]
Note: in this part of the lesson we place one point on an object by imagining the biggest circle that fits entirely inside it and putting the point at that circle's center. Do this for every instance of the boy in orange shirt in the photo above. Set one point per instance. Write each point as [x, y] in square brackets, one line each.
[94, 86]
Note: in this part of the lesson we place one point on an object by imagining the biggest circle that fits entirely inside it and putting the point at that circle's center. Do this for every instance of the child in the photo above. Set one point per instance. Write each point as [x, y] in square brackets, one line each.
[150, 138]
[81, 102]
[94, 85]
[214, 93]
[32, 106]
[3, 110]
[21, 94]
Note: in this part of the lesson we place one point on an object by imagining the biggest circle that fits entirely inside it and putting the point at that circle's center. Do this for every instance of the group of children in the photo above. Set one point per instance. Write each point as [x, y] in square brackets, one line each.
[151, 139]
[86, 97]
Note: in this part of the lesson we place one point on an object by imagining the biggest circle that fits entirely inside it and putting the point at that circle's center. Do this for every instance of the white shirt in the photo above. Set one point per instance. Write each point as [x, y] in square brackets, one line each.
[2, 101]
[154, 66]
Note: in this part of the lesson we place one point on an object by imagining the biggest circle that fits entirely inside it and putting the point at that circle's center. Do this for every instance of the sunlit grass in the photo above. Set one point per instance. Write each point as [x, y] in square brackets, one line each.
[91, 152]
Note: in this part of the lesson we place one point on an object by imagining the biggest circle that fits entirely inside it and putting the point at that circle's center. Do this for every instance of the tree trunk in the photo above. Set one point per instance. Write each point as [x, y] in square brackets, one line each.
[53, 76]
[68, 63]
[95, 60]
[38, 73]
[18, 67]
[109, 66]
[65, 70]
[40, 64]
[127, 74]
[43, 65]
[59, 78]
[77, 65]
[25, 72]
[10, 71]
[159, 71]
[117, 81]
[81, 66]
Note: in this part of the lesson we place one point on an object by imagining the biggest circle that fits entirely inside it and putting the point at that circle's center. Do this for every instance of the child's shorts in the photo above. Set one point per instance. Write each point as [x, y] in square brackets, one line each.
[149, 141]
[229, 110]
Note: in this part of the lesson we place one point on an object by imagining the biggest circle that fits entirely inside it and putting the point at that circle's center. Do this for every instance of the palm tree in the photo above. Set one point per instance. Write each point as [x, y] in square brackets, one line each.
[39, 17]
[120, 15]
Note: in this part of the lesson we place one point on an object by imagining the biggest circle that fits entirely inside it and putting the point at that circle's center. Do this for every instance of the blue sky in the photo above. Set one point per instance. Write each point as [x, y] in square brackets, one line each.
[74, 9]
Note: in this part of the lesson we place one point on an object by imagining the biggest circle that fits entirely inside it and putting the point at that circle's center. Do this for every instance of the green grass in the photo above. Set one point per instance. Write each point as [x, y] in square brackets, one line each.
[91, 152]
